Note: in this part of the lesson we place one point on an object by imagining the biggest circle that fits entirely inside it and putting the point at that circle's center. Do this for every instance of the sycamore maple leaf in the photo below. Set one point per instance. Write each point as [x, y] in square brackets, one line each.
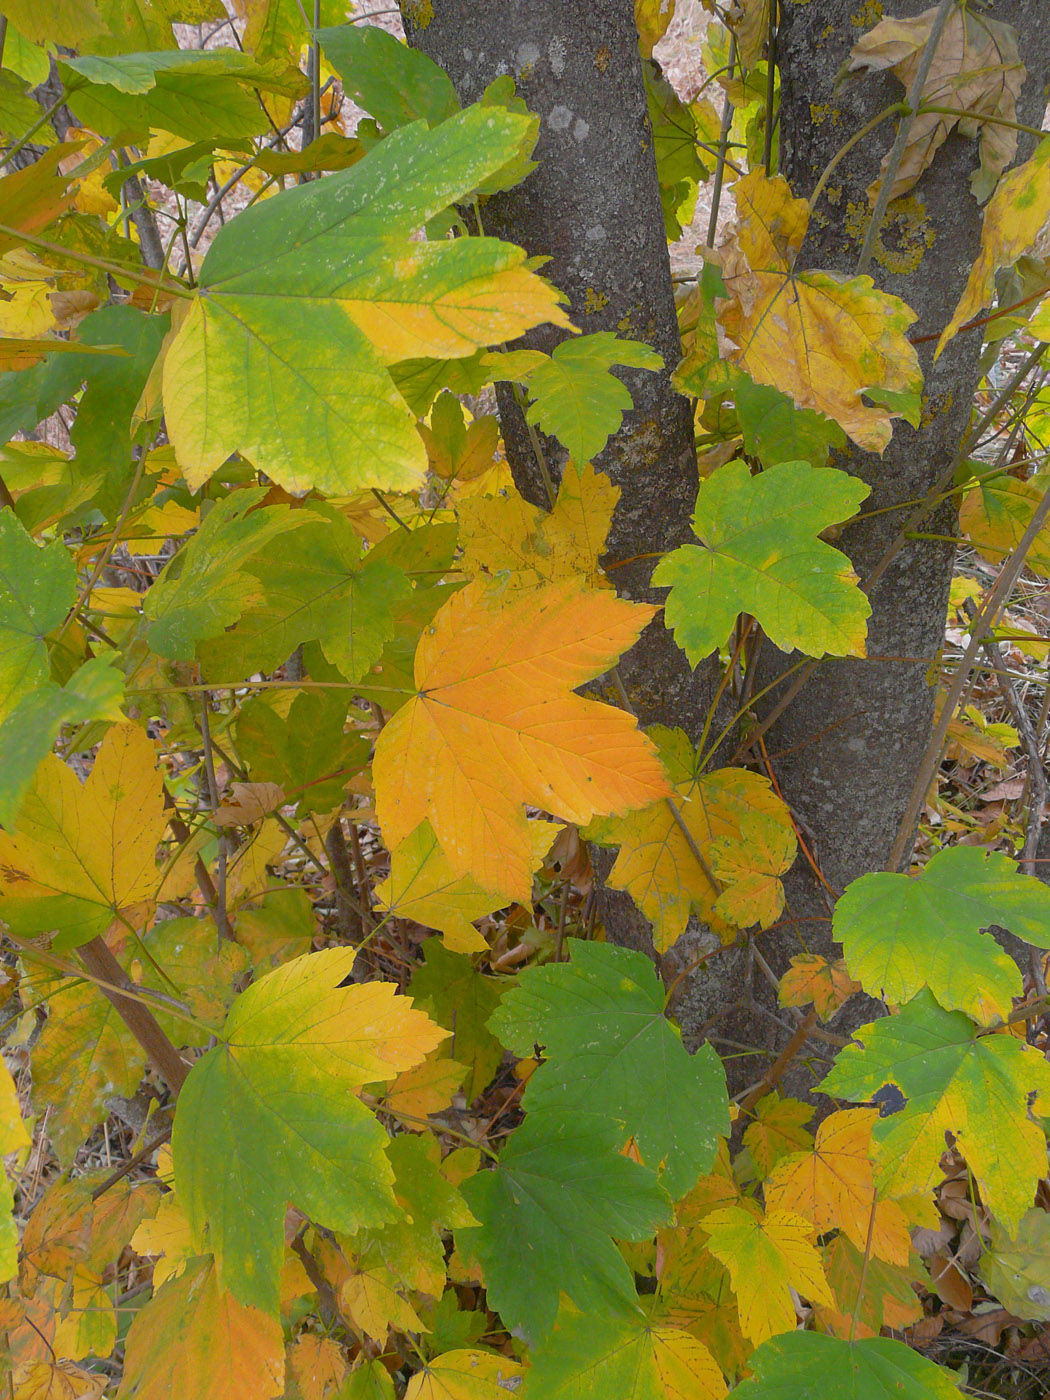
[1012, 221]
[975, 70]
[736, 822]
[767, 1256]
[273, 1105]
[83, 852]
[976, 1087]
[494, 725]
[193, 1338]
[760, 552]
[833, 1186]
[824, 341]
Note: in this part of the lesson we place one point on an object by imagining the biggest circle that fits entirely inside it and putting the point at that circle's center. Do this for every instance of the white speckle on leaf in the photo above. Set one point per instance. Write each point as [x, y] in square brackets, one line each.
[559, 118]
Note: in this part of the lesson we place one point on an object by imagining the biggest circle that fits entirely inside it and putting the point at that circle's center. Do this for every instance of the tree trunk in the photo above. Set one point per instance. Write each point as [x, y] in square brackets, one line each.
[593, 207]
[846, 751]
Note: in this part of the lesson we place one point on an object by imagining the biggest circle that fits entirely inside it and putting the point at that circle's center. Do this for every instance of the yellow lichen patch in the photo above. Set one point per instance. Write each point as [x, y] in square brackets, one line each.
[594, 301]
[420, 12]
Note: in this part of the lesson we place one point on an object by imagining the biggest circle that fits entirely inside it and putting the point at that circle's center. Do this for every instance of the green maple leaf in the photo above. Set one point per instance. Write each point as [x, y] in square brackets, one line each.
[600, 1022]
[316, 587]
[94, 692]
[206, 587]
[974, 1086]
[307, 298]
[549, 1213]
[760, 553]
[620, 1352]
[392, 82]
[461, 999]
[198, 95]
[269, 1115]
[900, 932]
[37, 589]
[575, 395]
[300, 749]
[776, 430]
[877, 1368]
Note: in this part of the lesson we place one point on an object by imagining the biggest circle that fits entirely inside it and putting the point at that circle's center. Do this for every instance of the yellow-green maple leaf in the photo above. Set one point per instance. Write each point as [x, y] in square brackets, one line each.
[777, 1131]
[767, 1257]
[83, 852]
[271, 1111]
[307, 299]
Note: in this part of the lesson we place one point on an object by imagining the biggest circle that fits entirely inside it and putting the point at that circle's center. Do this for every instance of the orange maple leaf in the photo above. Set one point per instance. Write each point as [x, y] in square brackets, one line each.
[833, 1186]
[494, 725]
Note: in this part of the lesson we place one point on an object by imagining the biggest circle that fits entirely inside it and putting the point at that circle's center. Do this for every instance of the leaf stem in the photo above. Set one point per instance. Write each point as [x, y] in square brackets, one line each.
[844, 150]
[44, 117]
[982, 117]
[175, 289]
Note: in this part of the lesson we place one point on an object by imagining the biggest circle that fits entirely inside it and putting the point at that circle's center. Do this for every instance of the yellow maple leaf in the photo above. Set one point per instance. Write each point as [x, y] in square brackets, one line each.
[494, 725]
[81, 853]
[721, 815]
[370, 1296]
[13, 1137]
[652, 18]
[318, 1364]
[833, 1186]
[505, 535]
[767, 1257]
[168, 1237]
[811, 978]
[426, 1088]
[422, 887]
[56, 1380]
[464, 1375]
[822, 340]
[777, 1131]
[193, 1338]
[994, 515]
[751, 866]
[1016, 213]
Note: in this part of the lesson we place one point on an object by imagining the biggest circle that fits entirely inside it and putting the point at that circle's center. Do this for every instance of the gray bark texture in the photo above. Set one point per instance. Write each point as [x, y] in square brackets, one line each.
[593, 207]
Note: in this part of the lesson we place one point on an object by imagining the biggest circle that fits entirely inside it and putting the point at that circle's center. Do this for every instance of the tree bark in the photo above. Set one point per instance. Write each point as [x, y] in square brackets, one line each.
[592, 207]
[845, 752]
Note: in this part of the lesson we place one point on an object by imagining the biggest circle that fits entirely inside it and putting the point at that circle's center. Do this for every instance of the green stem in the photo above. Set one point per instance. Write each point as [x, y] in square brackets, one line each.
[25, 140]
[981, 117]
[843, 151]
